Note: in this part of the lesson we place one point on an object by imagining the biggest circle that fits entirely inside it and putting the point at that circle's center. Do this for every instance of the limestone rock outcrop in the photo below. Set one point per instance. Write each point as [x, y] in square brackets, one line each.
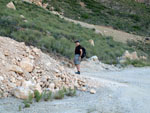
[11, 5]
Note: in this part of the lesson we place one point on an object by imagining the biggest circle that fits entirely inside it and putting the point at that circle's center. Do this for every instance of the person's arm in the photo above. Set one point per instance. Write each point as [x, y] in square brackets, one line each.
[81, 52]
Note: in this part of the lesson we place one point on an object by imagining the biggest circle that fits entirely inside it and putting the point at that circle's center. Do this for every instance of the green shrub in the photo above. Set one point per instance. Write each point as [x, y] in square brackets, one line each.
[30, 98]
[64, 89]
[37, 95]
[71, 92]
[137, 63]
[85, 16]
[1, 94]
[47, 95]
[60, 94]
[26, 103]
[20, 108]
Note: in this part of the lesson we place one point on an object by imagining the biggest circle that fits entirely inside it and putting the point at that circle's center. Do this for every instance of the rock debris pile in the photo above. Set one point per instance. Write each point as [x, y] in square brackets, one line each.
[24, 69]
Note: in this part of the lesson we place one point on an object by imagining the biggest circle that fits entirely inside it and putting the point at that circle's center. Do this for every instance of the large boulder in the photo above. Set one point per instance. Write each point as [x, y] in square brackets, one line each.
[45, 5]
[39, 4]
[143, 57]
[126, 54]
[38, 88]
[92, 91]
[32, 86]
[28, 84]
[27, 65]
[11, 5]
[27, 88]
[1, 78]
[22, 16]
[134, 56]
[36, 51]
[16, 69]
[131, 56]
[94, 58]
[52, 86]
[22, 93]
[92, 42]
[82, 4]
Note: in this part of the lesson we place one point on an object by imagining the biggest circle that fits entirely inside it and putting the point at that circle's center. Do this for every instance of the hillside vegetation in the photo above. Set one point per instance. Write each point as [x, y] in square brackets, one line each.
[126, 15]
[38, 27]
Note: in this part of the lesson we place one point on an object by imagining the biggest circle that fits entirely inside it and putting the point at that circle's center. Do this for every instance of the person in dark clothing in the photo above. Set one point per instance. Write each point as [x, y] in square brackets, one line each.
[78, 54]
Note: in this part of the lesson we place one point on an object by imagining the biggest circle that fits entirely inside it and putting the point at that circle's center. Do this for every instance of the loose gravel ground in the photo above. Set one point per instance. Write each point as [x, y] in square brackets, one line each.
[124, 91]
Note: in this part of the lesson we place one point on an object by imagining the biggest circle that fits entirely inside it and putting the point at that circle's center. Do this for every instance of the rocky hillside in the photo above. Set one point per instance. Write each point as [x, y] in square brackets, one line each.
[24, 69]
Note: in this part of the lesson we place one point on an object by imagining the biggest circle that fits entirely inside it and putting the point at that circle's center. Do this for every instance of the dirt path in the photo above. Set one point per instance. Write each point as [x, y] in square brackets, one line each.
[107, 31]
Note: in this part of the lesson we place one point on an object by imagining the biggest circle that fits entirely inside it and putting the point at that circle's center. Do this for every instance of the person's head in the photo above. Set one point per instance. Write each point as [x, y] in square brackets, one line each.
[77, 42]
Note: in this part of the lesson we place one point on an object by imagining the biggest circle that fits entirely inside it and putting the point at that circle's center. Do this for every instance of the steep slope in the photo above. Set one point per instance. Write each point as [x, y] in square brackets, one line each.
[117, 35]
[126, 15]
[36, 26]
